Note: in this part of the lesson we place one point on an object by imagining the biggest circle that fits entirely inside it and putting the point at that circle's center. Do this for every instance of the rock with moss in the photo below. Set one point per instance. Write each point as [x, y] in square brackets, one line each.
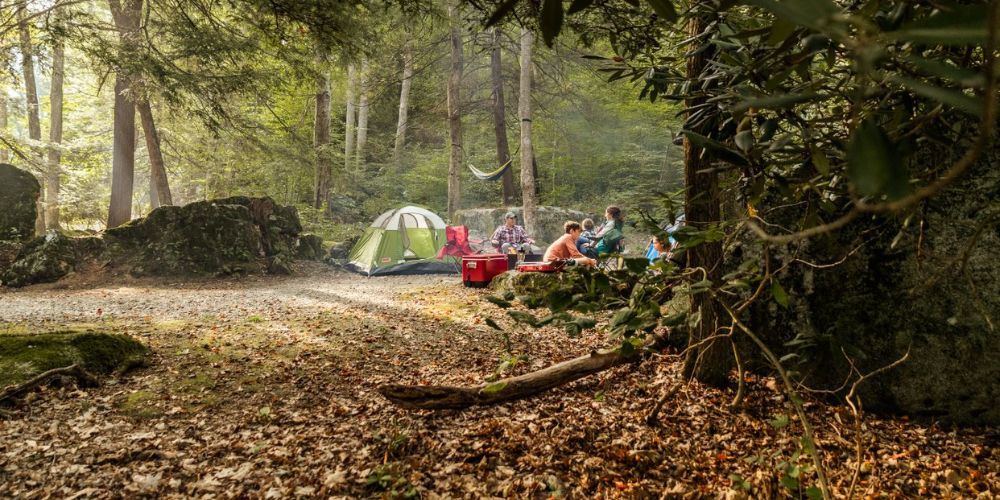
[48, 258]
[310, 247]
[19, 191]
[25, 356]
[8, 253]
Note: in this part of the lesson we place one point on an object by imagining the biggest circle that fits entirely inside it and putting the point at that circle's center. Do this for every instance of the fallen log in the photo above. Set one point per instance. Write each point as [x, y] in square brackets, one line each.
[440, 397]
[76, 371]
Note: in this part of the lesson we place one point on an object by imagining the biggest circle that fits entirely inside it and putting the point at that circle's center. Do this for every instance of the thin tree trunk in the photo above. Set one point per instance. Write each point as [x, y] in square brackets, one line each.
[31, 96]
[528, 194]
[362, 118]
[126, 15]
[404, 106]
[350, 118]
[157, 168]
[55, 135]
[4, 153]
[321, 134]
[709, 361]
[455, 113]
[499, 120]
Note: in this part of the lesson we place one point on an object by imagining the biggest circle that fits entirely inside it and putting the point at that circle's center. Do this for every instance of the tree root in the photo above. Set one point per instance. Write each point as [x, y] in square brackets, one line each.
[437, 397]
[83, 379]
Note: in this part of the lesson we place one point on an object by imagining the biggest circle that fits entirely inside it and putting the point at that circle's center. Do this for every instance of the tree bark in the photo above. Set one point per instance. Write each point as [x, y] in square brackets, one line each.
[31, 98]
[404, 106]
[321, 134]
[528, 194]
[708, 361]
[350, 117]
[439, 397]
[4, 153]
[157, 168]
[126, 15]
[499, 118]
[362, 118]
[455, 112]
[53, 172]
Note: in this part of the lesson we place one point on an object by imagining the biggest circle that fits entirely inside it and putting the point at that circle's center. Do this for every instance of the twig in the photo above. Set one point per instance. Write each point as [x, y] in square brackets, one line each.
[74, 370]
[651, 419]
[738, 399]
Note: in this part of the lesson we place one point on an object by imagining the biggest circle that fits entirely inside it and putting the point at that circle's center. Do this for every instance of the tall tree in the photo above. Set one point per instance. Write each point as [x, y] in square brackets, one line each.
[53, 170]
[350, 116]
[455, 112]
[4, 152]
[499, 118]
[528, 194]
[31, 97]
[404, 105]
[127, 15]
[363, 109]
[708, 360]
[159, 185]
[321, 132]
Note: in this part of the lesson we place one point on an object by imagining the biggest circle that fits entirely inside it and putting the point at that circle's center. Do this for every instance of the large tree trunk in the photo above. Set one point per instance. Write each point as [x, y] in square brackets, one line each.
[55, 135]
[321, 134]
[404, 106]
[350, 118]
[127, 15]
[528, 193]
[438, 397]
[455, 112]
[160, 186]
[31, 97]
[362, 117]
[499, 120]
[710, 361]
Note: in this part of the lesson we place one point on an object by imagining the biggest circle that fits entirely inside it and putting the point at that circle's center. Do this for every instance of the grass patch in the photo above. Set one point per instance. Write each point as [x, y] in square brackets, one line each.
[137, 405]
[24, 356]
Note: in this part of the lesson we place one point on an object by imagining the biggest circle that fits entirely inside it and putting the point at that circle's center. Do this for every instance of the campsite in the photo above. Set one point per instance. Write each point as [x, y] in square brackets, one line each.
[503, 249]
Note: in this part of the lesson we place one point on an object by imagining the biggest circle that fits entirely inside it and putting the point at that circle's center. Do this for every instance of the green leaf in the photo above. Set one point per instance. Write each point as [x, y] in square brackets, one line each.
[498, 301]
[780, 31]
[578, 5]
[820, 161]
[494, 388]
[963, 25]
[814, 493]
[621, 318]
[779, 422]
[523, 317]
[739, 482]
[551, 20]
[501, 12]
[493, 324]
[789, 482]
[717, 148]
[788, 357]
[779, 101]
[664, 9]
[779, 293]
[811, 13]
[636, 264]
[963, 76]
[744, 140]
[807, 444]
[873, 165]
[955, 98]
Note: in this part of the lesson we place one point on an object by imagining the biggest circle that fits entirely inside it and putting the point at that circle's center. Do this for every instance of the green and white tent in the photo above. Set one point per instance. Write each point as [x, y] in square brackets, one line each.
[404, 240]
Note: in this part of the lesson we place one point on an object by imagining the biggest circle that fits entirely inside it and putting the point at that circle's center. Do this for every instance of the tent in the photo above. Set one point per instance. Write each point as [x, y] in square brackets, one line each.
[403, 240]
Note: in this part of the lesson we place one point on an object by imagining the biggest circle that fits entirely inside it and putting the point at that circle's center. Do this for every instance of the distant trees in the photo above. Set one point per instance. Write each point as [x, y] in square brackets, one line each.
[31, 96]
[528, 193]
[350, 116]
[499, 116]
[321, 132]
[404, 104]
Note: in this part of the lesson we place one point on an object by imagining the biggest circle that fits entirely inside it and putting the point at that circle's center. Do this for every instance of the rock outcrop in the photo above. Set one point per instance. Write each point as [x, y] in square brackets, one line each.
[483, 221]
[19, 190]
[48, 258]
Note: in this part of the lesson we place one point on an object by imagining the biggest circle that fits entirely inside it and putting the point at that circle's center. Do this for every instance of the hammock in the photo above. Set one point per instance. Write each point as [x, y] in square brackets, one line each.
[490, 176]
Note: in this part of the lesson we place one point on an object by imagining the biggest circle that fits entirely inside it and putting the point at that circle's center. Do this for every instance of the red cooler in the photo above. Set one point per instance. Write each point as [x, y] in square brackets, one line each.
[478, 270]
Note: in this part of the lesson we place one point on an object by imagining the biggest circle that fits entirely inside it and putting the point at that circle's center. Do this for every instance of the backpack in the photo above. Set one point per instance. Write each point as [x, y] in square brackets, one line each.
[609, 243]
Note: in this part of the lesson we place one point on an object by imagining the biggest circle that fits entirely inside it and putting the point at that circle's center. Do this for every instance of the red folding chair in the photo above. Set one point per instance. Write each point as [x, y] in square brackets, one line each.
[457, 244]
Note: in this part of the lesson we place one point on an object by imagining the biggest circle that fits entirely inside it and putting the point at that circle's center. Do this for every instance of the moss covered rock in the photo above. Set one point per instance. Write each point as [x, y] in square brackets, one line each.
[48, 258]
[19, 190]
[24, 356]
[8, 253]
[310, 247]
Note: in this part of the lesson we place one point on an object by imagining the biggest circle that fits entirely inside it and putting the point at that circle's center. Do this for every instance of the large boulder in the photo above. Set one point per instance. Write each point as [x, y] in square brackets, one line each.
[310, 247]
[930, 288]
[19, 190]
[24, 356]
[48, 258]
[483, 221]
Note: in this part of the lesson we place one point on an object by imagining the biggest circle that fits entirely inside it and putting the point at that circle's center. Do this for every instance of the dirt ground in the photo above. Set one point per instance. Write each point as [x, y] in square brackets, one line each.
[266, 387]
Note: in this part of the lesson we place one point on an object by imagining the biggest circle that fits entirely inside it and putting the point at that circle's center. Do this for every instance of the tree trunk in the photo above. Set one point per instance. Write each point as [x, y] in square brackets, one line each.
[55, 135]
[4, 153]
[438, 397]
[31, 97]
[321, 134]
[126, 16]
[362, 118]
[160, 191]
[528, 194]
[499, 120]
[455, 112]
[404, 106]
[709, 362]
[350, 118]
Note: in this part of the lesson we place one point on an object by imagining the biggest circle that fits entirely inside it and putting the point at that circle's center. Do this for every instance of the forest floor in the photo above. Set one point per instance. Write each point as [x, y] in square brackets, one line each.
[265, 387]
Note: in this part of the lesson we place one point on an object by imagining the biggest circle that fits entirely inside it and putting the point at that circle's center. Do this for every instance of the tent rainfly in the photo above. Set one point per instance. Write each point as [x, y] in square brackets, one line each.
[403, 240]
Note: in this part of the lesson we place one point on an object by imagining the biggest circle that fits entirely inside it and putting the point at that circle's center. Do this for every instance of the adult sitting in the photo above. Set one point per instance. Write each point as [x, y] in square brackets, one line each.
[609, 236]
[564, 248]
[511, 236]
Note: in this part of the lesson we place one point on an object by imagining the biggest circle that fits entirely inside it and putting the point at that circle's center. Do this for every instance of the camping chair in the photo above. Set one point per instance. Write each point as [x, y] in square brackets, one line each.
[612, 260]
[457, 244]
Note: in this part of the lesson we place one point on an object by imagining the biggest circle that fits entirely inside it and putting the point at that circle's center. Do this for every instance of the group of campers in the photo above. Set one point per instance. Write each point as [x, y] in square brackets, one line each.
[581, 244]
